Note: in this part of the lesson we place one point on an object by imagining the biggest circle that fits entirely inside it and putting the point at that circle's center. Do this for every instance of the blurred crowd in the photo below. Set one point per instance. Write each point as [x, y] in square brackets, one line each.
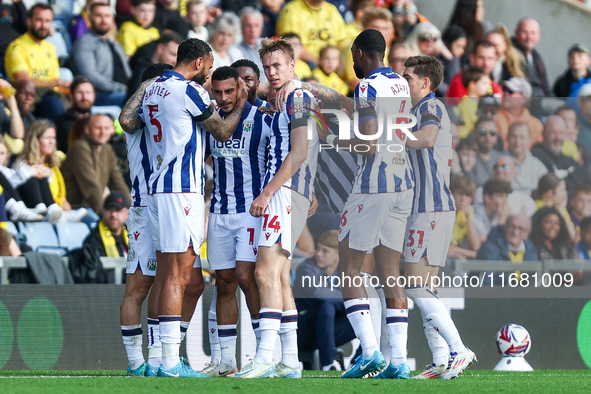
[521, 169]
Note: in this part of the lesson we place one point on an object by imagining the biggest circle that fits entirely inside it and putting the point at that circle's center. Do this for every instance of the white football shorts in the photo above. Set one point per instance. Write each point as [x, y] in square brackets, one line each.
[232, 237]
[141, 254]
[429, 235]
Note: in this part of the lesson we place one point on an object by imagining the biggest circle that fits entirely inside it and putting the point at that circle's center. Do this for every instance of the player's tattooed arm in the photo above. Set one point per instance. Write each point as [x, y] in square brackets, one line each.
[129, 118]
[330, 96]
[222, 129]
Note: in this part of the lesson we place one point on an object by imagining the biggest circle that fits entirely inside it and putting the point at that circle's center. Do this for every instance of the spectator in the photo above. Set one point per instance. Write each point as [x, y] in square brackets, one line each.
[476, 82]
[25, 100]
[485, 135]
[250, 74]
[398, 55]
[550, 153]
[465, 240]
[138, 31]
[32, 57]
[301, 69]
[584, 118]
[580, 205]
[252, 29]
[509, 243]
[550, 236]
[322, 323]
[222, 38]
[109, 238]
[81, 23]
[406, 15]
[102, 60]
[353, 28]
[516, 94]
[570, 148]
[577, 74]
[511, 62]
[91, 166]
[12, 24]
[494, 211]
[270, 10]
[529, 168]
[584, 246]
[82, 97]
[39, 165]
[161, 51]
[456, 122]
[469, 15]
[11, 123]
[197, 19]
[236, 6]
[167, 18]
[485, 56]
[454, 39]
[425, 38]
[326, 74]
[317, 23]
[552, 193]
[467, 154]
[527, 36]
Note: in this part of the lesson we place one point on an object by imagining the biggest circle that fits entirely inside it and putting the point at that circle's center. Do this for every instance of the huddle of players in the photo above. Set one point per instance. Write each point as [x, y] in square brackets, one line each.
[264, 168]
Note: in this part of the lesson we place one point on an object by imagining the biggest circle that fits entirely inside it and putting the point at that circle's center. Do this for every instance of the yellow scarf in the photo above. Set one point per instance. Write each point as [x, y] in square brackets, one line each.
[57, 186]
[109, 241]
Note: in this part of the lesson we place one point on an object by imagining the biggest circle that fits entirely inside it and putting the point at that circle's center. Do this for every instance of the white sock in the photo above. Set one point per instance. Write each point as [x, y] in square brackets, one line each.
[269, 324]
[358, 314]
[437, 344]
[288, 335]
[154, 345]
[214, 340]
[132, 339]
[170, 336]
[397, 321]
[436, 315]
[228, 335]
[184, 327]
[256, 329]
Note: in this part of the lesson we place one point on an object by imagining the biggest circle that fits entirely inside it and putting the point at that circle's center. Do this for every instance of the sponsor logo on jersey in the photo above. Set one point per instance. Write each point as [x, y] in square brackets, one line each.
[230, 148]
[398, 159]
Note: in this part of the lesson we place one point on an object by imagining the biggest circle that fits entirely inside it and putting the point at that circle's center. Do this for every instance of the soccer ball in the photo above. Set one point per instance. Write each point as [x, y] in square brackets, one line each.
[513, 341]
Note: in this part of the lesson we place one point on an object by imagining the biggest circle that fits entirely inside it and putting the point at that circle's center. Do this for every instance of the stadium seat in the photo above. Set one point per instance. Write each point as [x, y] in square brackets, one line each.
[71, 235]
[41, 236]
[11, 228]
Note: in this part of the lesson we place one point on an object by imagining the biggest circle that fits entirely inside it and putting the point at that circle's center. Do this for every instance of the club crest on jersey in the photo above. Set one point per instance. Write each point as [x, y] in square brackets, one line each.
[398, 159]
[433, 225]
[359, 207]
[288, 209]
[136, 235]
[247, 126]
[152, 264]
[187, 210]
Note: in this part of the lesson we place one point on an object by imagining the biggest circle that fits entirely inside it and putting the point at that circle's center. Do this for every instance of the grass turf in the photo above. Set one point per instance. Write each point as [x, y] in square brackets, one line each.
[112, 382]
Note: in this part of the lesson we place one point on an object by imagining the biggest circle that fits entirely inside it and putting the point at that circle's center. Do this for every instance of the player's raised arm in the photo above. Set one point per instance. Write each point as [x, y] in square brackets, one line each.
[129, 118]
[222, 129]
[329, 95]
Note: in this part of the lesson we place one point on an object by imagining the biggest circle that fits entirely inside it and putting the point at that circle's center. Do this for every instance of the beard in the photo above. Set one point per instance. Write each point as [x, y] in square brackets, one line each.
[101, 31]
[40, 34]
[358, 71]
[200, 78]
[83, 108]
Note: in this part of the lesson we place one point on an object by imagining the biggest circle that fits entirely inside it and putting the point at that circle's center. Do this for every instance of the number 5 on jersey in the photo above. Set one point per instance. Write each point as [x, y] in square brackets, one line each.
[155, 122]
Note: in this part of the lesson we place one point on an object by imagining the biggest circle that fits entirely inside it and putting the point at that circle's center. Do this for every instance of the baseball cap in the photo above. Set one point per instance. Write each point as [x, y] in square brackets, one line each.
[585, 90]
[578, 48]
[116, 199]
[517, 84]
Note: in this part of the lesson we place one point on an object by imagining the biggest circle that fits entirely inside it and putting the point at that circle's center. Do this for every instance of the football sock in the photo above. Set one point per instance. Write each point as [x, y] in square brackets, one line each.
[184, 327]
[436, 315]
[228, 335]
[256, 329]
[358, 314]
[397, 321]
[132, 339]
[288, 335]
[154, 345]
[214, 341]
[437, 344]
[375, 308]
[170, 336]
[269, 324]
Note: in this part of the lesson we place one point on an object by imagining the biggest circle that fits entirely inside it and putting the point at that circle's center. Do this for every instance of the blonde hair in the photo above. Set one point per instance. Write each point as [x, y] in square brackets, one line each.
[31, 152]
[514, 60]
[268, 46]
[329, 238]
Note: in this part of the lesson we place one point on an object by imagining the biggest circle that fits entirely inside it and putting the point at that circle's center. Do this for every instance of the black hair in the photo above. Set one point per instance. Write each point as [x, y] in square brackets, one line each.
[289, 35]
[170, 36]
[372, 43]
[191, 50]
[562, 240]
[223, 73]
[79, 80]
[155, 70]
[452, 34]
[494, 185]
[426, 67]
[249, 64]
[39, 6]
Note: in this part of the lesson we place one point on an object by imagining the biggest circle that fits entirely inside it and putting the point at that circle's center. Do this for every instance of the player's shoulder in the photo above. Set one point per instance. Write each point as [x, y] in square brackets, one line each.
[431, 105]
[300, 93]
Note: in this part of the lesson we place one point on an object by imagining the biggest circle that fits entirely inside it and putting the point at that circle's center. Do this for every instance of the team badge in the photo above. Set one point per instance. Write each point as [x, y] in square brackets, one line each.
[398, 159]
[247, 126]
[152, 264]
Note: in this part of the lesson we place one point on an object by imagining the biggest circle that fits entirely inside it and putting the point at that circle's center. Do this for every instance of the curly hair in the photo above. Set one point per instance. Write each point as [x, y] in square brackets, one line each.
[31, 152]
[538, 238]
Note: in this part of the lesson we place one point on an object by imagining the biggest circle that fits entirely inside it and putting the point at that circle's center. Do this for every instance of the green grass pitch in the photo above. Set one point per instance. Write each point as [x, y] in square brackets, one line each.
[113, 382]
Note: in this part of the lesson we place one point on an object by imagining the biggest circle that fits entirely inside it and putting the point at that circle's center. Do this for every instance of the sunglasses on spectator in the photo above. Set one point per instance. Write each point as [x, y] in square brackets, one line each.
[483, 132]
[505, 167]
[507, 91]
[428, 37]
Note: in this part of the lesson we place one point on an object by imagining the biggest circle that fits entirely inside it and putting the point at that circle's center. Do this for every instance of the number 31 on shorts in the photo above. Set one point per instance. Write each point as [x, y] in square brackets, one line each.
[411, 238]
